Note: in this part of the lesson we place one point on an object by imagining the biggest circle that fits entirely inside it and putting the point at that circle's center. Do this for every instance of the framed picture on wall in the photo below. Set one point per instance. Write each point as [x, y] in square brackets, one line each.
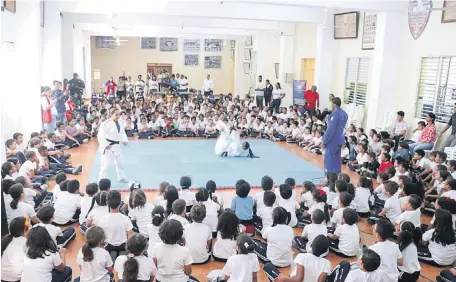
[247, 54]
[213, 62]
[9, 5]
[346, 25]
[233, 44]
[248, 41]
[42, 13]
[213, 45]
[191, 60]
[276, 68]
[246, 67]
[168, 44]
[232, 54]
[449, 16]
[369, 30]
[148, 43]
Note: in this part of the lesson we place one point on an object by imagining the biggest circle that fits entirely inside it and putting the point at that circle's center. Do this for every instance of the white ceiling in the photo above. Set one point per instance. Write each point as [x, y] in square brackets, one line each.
[191, 18]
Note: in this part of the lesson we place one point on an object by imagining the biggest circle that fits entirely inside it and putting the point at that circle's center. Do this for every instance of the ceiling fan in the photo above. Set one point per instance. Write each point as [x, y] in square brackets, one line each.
[116, 39]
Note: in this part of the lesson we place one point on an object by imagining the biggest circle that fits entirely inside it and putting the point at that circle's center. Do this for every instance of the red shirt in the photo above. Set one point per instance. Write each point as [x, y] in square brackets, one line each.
[384, 166]
[311, 99]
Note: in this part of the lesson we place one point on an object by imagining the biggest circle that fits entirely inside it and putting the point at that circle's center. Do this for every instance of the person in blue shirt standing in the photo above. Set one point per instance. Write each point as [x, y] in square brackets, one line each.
[60, 97]
[334, 138]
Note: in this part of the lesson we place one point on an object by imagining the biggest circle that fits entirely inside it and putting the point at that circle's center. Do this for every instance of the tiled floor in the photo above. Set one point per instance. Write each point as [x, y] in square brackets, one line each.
[85, 156]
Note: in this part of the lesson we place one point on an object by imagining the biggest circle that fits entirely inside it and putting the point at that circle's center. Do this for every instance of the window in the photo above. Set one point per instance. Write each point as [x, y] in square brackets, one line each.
[436, 88]
[356, 79]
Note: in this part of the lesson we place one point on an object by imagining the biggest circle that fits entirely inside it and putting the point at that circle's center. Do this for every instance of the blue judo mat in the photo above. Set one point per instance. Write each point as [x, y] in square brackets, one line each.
[151, 162]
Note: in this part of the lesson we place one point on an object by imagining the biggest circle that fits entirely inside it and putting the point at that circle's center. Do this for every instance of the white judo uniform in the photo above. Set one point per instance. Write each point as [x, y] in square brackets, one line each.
[110, 135]
[229, 143]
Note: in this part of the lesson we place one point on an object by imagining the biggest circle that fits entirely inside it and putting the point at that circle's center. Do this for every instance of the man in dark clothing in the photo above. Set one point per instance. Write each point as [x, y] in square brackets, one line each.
[268, 93]
[76, 87]
[60, 97]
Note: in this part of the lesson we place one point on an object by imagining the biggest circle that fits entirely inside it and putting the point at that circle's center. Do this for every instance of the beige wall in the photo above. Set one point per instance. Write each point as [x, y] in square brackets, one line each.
[130, 58]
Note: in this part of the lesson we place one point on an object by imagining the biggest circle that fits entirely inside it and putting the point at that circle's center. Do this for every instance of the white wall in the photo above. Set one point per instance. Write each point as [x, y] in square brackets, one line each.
[305, 45]
[21, 99]
[133, 60]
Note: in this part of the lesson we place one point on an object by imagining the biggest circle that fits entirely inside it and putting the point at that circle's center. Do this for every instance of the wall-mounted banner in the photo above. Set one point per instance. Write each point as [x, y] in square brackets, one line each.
[299, 86]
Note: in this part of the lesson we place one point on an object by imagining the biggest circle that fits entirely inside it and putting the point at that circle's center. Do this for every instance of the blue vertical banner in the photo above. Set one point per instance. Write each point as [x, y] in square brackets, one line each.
[299, 86]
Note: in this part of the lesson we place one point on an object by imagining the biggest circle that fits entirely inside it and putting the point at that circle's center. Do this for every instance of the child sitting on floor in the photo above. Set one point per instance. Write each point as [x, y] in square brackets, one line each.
[310, 232]
[198, 237]
[244, 266]
[345, 240]
[242, 204]
[392, 208]
[179, 212]
[68, 205]
[345, 200]
[287, 201]
[408, 240]
[368, 268]
[363, 197]
[264, 215]
[61, 238]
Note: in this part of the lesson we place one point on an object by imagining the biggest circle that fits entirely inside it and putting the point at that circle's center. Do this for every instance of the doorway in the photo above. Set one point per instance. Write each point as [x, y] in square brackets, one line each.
[308, 71]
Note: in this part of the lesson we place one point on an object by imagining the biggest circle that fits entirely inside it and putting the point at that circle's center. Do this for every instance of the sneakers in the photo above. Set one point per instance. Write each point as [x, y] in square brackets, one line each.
[77, 170]
[370, 221]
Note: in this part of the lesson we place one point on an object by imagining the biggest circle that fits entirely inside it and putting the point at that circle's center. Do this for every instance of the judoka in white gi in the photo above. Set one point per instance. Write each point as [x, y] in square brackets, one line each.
[110, 135]
[229, 143]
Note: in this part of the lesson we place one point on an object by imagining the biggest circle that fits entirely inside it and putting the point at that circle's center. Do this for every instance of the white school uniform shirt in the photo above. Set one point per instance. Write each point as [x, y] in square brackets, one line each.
[97, 213]
[450, 194]
[179, 218]
[171, 260]
[311, 231]
[416, 136]
[23, 209]
[443, 255]
[29, 195]
[290, 206]
[26, 167]
[53, 231]
[389, 254]
[317, 206]
[116, 227]
[146, 267]
[196, 237]
[268, 130]
[240, 268]
[393, 207]
[86, 203]
[424, 163]
[330, 195]
[224, 248]
[337, 217]
[265, 214]
[280, 239]
[143, 216]
[348, 239]
[66, 206]
[307, 199]
[296, 133]
[188, 196]
[95, 270]
[258, 199]
[40, 269]
[412, 216]
[361, 158]
[211, 219]
[362, 199]
[357, 275]
[191, 126]
[13, 259]
[313, 266]
[410, 259]
[154, 238]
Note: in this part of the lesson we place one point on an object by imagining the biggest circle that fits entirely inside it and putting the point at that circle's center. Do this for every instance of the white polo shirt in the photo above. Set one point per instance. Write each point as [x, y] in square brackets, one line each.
[196, 237]
[280, 239]
[260, 85]
[208, 85]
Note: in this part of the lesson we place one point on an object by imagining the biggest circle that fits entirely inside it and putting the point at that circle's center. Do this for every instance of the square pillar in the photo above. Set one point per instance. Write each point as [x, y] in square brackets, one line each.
[382, 88]
[67, 48]
[52, 44]
[241, 80]
[286, 66]
[86, 75]
[324, 60]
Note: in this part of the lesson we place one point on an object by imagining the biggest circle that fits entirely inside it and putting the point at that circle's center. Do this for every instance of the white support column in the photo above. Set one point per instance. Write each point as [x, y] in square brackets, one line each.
[382, 88]
[241, 80]
[52, 44]
[67, 48]
[323, 60]
[78, 44]
[286, 66]
[261, 44]
[86, 75]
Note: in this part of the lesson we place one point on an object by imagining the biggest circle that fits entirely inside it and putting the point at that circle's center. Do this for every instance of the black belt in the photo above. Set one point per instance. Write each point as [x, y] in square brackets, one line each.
[111, 142]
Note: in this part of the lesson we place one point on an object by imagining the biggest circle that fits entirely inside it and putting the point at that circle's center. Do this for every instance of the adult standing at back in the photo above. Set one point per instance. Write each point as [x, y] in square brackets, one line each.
[208, 85]
[450, 141]
[334, 138]
[399, 129]
[312, 100]
[259, 92]
[48, 111]
[60, 97]
[268, 93]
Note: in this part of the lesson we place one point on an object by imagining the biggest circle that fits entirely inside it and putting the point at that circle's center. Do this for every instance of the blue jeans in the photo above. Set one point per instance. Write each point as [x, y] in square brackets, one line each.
[50, 127]
[60, 117]
[423, 146]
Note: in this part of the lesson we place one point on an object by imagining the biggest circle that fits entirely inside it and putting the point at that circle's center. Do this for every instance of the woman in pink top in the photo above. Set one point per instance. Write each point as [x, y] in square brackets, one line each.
[428, 136]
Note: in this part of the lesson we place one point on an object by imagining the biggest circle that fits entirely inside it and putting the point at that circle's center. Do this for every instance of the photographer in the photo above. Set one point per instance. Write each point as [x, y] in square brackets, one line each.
[76, 88]
[60, 98]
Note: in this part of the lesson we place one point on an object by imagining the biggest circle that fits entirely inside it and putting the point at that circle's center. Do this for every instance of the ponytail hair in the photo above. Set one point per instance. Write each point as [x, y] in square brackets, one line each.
[320, 196]
[6, 167]
[16, 228]
[95, 236]
[136, 246]
[158, 215]
[101, 198]
[280, 216]
[409, 234]
[245, 244]
[16, 192]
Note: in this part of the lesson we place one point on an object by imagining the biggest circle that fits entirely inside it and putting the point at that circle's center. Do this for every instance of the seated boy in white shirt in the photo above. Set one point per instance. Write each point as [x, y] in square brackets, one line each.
[179, 212]
[30, 168]
[361, 158]
[311, 231]
[388, 251]
[392, 208]
[295, 133]
[198, 236]
[33, 196]
[345, 240]
[316, 142]
[368, 268]
[61, 238]
[420, 163]
[411, 212]
[68, 205]
[263, 218]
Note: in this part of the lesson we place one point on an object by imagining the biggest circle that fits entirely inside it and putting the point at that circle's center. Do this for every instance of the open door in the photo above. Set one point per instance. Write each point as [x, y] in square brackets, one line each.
[157, 67]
